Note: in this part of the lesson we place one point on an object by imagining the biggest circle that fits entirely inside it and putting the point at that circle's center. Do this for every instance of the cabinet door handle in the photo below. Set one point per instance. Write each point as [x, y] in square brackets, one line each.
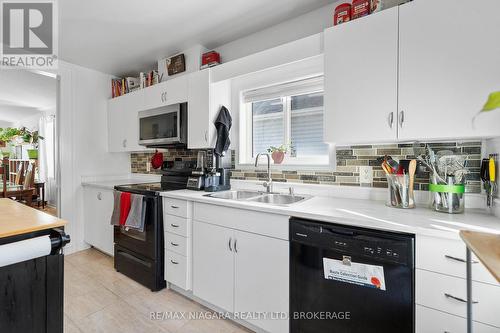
[206, 136]
[391, 119]
[458, 298]
[174, 262]
[235, 245]
[174, 225]
[401, 118]
[459, 259]
[229, 244]
[124, 143]
[174, 244]
[99, 196]
[174, 207]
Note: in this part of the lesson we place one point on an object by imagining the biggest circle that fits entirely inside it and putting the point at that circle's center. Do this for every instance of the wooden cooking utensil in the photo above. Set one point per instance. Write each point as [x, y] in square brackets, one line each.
[411, 172]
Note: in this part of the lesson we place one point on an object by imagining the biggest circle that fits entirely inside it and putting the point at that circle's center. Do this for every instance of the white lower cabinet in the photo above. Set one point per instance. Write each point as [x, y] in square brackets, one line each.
[440, 290]
[242, 272]
[433, 321]
[447, 256]
[176, 270]
[261, 279]
[213, 264]
[178, 252]
[448, 294]
[97, 209]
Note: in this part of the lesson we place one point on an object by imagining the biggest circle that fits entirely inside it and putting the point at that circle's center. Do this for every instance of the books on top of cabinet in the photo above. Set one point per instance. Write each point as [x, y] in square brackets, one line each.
[122, 86]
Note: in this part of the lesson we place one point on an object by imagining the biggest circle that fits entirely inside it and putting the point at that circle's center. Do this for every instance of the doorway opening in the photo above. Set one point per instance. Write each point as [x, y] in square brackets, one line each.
[29, 138]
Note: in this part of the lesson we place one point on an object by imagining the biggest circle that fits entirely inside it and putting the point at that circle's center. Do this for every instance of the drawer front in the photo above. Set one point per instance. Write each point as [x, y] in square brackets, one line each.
[448, 257]
[176, 270]
[177, 225]
[432, 290]
[271, 225]
[176, 207]
[176, 243]
[433, 321]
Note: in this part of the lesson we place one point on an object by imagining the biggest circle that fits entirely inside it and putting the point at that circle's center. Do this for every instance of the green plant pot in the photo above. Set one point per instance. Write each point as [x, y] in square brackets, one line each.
[33, 154]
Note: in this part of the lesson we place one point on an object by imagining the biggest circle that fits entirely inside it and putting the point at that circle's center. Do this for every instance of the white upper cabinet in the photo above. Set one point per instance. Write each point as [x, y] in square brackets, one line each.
[449, 63]
[169, 92]
[123, 111]
[204, 102]
[123, 122]
[418, 71]
[361, 72]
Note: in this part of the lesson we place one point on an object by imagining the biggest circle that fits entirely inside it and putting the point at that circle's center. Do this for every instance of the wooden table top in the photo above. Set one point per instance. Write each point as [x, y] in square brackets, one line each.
[486, 247]
[18, 219]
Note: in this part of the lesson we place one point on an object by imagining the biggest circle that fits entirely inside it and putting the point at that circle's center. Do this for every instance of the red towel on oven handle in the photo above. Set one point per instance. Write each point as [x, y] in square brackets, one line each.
[125, 203]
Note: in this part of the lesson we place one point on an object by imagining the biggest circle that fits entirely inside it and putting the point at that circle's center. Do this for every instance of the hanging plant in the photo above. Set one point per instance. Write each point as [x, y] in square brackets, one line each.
[8, 134]
[20, 136]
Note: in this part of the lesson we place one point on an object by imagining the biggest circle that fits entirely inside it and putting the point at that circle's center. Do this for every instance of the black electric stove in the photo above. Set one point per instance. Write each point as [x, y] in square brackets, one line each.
[174, 177]
[140, 255]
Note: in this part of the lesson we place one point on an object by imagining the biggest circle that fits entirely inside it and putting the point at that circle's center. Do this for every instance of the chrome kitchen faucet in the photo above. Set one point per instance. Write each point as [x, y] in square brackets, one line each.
[269, 183]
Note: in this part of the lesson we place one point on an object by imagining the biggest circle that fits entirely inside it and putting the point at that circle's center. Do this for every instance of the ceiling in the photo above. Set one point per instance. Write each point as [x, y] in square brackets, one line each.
[24, 94]
[125, 37]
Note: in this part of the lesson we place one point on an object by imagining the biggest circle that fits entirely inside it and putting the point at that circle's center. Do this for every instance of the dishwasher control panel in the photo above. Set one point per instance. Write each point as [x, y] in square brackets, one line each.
[354, 241]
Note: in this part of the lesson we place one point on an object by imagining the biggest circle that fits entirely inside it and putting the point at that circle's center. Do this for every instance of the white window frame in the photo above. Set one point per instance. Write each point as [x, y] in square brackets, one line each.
[310, 162]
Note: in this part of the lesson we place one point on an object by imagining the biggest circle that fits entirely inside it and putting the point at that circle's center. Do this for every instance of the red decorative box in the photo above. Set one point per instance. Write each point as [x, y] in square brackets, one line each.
[209, 59]
[360, 8]
[342, 13]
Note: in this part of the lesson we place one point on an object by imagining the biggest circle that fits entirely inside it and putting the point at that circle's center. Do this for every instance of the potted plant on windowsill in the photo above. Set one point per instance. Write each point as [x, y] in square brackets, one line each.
[278, 153]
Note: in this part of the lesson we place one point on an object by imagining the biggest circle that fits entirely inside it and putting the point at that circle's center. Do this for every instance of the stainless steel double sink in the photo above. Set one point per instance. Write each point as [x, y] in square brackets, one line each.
[263, 197]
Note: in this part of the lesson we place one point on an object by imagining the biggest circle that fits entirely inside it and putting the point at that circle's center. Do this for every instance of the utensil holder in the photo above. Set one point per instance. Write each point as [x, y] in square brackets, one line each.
[447, 198]
[399, 193]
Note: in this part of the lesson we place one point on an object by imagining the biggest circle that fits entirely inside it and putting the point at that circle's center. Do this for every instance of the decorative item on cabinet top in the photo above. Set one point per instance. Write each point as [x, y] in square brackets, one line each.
[176, 64]
[122, 86]
[349, 159]
[346, 12]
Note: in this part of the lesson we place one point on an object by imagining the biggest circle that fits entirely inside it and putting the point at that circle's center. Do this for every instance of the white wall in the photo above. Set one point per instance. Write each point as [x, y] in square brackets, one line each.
[4, 124]
[31, 122]
[83, 141]
[302, 26]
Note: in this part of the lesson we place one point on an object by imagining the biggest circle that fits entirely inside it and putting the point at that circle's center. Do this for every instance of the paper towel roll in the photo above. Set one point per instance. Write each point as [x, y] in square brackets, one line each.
[24, 250]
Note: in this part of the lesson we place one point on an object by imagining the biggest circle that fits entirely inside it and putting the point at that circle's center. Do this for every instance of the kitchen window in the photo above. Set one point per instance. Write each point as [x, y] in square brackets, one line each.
[289, 114]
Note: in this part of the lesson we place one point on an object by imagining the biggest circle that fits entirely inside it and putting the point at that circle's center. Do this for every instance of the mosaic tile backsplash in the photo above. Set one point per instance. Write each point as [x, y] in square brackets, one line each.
[349, 159]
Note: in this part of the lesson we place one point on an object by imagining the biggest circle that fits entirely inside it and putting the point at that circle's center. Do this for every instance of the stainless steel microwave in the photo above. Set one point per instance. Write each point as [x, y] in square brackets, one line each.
[163, 127]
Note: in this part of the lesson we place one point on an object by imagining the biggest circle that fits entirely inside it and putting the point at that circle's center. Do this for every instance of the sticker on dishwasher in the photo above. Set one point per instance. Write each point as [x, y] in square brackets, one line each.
[370, 276]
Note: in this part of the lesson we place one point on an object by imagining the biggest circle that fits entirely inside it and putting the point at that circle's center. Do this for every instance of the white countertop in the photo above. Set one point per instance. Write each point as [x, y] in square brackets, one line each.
[365, 213]
[110, 182]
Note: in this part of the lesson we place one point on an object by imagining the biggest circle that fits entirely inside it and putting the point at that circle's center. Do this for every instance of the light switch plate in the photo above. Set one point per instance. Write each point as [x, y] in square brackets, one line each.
[366, 175]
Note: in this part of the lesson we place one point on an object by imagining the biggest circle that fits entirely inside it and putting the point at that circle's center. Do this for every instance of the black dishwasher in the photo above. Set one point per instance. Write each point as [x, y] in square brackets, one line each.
[350, 280]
